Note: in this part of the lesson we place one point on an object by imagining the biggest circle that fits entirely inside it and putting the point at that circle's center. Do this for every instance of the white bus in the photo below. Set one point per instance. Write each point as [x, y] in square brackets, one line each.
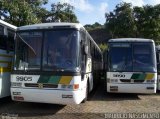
[54, 63]
[158, 66]
[131, 66]
[7, 32]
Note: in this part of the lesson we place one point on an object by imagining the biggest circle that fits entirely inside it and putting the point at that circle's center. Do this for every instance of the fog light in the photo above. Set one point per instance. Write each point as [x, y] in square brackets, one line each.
[18, 98]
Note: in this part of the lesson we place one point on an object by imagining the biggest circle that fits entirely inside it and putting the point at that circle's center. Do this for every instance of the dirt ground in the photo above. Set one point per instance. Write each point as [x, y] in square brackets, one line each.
[100, 105]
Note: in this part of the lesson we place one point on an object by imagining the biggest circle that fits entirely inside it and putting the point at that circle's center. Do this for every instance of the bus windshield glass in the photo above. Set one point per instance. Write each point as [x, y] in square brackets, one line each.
[143, 57]
[120, 57]
[48, 49]
[129, 57]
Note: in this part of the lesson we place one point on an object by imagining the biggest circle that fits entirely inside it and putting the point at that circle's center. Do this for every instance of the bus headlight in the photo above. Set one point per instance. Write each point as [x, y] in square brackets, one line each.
[150, 81]
[113, 80]
[15, 84]
[73, 87]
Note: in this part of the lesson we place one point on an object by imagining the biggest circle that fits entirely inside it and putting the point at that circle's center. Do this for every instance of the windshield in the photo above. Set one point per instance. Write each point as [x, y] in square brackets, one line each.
[49, 50]
[120, 57]
[60, 50]
[28, 50]
[143, 57]
[131, 57]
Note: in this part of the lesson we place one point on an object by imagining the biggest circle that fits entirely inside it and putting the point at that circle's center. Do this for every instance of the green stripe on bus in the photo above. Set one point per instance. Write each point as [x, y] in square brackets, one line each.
[135, 76]
[142, 77]
[54, 79]
[43, 79]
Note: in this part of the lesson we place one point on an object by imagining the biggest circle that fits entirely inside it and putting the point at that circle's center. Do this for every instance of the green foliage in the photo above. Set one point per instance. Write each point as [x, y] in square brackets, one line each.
[63, 12]
[94, 26]
[120, 22]
[128, 21]
[103, 47]
[148, 21]
[25, 12]
[21, 12]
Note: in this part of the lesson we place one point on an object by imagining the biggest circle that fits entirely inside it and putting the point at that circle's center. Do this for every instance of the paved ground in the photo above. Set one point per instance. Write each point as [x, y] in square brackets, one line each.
[98, 105]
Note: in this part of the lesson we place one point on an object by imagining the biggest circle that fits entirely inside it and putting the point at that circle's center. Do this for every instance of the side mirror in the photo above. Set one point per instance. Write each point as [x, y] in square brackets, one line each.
[86, 49]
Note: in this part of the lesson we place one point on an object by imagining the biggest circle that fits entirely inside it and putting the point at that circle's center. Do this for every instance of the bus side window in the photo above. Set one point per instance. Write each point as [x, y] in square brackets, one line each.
[3, 39]
[10, 41]
[83, 57]
[89, 46]
[1, 30]
[3, 42]
[92, 50]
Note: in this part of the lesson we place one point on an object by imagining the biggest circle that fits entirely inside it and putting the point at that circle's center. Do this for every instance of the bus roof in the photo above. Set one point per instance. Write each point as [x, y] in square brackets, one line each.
[3, 23]
[130, 40]
[51, 25]
[56, 25]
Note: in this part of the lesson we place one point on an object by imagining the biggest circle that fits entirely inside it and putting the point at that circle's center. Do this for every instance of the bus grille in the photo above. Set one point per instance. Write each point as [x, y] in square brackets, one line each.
[139, 81]
[131, 81]
[125, 80]
[37, 85]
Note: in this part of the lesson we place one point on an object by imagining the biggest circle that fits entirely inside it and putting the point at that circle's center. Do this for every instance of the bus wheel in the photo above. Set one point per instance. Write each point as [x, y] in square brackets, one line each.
[86, 95]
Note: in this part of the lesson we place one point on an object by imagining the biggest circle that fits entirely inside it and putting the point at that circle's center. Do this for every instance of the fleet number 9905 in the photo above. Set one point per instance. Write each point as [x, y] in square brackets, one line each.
[23, 78]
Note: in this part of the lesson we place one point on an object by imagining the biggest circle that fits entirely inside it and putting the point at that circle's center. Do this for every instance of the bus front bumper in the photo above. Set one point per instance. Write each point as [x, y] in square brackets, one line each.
[131, 88]
[47, 96]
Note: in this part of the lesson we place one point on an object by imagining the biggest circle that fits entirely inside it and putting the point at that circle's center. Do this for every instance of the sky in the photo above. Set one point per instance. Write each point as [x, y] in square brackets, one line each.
[91, 11]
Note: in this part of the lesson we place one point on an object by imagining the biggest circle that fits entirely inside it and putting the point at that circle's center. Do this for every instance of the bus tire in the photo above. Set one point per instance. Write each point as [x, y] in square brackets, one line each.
[87, 91]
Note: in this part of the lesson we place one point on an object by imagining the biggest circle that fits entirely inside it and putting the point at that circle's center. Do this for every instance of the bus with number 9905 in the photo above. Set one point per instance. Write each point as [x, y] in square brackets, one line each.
[54, 63]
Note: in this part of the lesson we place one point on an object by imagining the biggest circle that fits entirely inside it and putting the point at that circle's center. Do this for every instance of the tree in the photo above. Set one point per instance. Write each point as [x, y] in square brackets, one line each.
[94, 26]
[25, 12]
[103, 47]
[63, 12]
[120, 22]
[143, 22]
[148, 21]
[22, 12]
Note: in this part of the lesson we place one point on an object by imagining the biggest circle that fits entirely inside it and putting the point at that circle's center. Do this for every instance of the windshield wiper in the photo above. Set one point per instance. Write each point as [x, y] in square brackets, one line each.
[27, 44]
